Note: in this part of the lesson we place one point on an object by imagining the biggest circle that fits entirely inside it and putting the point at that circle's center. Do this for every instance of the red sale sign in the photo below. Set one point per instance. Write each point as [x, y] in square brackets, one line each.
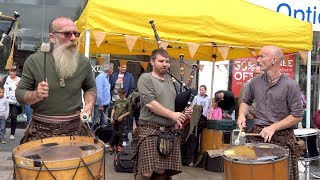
[243, 71]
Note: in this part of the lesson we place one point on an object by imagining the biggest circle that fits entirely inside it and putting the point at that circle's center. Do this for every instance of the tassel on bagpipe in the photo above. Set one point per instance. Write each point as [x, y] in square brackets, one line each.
[9, 63]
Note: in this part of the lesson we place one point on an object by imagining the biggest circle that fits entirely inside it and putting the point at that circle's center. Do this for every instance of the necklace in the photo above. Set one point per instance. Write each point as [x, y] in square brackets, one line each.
[274, 79]
[62, 83]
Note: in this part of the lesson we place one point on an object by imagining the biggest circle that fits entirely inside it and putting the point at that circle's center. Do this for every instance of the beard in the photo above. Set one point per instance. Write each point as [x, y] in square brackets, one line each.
[66, 59]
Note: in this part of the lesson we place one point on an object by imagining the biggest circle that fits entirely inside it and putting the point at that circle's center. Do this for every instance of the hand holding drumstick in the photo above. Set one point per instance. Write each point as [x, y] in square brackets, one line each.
[237, 141]
[243, 134]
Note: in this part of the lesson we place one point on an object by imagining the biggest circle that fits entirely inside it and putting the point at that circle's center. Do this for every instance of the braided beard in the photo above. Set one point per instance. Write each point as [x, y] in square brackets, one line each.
[66, 58]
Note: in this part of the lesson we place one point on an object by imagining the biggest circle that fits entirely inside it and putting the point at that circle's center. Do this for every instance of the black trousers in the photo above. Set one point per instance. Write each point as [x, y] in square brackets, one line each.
[13, 117]
[117, 135]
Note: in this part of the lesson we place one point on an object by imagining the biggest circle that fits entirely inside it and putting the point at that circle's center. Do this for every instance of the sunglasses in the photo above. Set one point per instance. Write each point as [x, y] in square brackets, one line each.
[68, 34]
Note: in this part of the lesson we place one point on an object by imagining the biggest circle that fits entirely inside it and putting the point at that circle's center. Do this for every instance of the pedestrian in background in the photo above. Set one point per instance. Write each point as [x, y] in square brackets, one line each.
[120, 110]
[214, 112]
[102, 103]
[10, 87]
[202, 99]
[4, 113]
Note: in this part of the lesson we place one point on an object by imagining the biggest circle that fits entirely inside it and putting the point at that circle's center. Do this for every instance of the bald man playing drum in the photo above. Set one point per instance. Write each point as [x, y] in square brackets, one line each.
[278, 106]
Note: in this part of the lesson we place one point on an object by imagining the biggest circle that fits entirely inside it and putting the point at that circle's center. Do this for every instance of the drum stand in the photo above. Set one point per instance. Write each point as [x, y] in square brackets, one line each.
[306, 165]
[307, 172]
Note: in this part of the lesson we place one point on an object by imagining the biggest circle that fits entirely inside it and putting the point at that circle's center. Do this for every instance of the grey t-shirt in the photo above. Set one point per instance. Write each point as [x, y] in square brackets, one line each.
[154, 89]
[274, 102]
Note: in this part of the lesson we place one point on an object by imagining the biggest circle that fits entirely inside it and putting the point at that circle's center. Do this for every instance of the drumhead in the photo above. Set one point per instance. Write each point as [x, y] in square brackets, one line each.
[305, 132]
[58, 148]
[251, 153]
[59, 151]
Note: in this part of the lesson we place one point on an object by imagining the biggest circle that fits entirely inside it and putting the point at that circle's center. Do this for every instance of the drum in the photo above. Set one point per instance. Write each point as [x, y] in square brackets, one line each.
[255, 161]
[312, 139]
[217, 134]
[76, 157]
[214, 140]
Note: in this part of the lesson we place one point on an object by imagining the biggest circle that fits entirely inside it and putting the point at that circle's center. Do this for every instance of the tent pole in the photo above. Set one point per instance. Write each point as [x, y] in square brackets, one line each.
[213, 68]
[308, 118]
[212, 80]
[87, 44]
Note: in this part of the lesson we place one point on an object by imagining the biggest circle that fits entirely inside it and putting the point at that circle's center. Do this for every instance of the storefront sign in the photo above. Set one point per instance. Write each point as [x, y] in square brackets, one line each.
[243, 70]
[306, 10]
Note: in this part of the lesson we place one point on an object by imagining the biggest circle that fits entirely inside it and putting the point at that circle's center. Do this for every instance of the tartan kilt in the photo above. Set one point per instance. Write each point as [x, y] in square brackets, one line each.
[40, 129]
[286, 139]
[145, 154]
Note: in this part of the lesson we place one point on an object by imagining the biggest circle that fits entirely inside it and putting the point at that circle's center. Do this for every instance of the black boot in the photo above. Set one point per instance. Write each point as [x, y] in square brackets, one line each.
[141, 177]
[157, 176]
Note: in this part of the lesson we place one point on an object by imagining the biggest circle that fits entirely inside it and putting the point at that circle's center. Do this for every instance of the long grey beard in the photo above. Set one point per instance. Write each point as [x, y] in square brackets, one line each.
[66, 58]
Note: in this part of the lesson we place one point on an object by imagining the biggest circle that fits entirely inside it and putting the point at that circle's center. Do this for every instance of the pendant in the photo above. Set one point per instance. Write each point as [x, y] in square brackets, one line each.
[62, 83]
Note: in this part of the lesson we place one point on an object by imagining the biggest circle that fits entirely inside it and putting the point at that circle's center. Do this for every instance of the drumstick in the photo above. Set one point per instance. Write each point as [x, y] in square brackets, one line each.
[237, 141]
[251, 134]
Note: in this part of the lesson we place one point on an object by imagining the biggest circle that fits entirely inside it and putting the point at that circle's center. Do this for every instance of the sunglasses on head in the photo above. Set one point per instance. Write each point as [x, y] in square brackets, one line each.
[68, 34]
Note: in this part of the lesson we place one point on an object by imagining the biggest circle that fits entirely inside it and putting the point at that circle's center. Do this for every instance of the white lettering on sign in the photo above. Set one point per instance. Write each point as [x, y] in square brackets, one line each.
[242, 76]
[286, 63]
[96, 68]
[244, 65]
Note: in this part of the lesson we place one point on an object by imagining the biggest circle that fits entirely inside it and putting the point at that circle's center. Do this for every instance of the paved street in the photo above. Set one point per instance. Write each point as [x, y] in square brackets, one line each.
[189, 173]
[6, 164]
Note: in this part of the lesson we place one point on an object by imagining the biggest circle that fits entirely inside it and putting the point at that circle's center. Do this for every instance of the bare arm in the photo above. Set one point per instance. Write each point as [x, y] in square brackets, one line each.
[112, 113]
[126, 114]
[243, 110]
[42, 91]
[89, 99]
[123, 115]
[287, 122]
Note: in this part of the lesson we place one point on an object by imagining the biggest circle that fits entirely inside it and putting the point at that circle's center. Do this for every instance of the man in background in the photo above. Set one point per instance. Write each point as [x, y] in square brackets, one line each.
[102, 104]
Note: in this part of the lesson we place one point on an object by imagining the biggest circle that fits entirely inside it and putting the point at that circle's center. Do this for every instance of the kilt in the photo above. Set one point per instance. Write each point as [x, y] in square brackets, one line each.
[145, 154]
[42, 126]
[286, 139]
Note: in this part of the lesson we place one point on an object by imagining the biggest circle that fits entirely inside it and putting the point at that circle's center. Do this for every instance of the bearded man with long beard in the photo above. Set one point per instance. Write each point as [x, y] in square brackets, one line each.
[51, 83]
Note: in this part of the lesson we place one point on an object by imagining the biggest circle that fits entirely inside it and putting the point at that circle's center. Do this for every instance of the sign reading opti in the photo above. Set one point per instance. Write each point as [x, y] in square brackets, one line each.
[307, 10]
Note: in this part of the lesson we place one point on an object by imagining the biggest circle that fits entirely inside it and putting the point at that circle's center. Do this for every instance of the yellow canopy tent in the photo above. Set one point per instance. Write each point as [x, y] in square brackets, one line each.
[199, 29]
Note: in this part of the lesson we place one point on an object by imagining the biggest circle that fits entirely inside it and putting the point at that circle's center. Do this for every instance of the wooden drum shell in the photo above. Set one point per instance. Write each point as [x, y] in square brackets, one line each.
[213, 140]
[272, 166]
[269, 171]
